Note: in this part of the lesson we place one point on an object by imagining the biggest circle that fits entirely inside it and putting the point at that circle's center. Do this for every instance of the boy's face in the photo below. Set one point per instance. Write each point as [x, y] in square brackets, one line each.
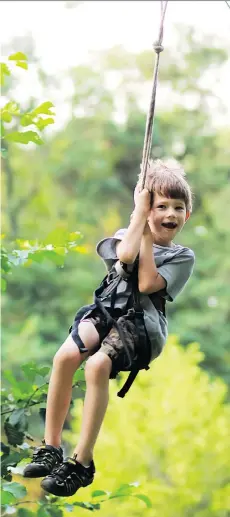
[167, 217]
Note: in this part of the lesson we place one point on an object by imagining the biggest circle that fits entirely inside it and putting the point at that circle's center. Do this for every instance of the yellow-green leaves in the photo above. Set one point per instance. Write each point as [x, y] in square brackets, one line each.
[24, 137]
[20, 60]
[170, 434]
[4, 70]
[38, 118]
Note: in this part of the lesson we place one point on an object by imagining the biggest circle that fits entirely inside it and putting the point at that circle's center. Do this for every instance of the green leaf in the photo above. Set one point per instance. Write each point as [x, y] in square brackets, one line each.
[18, 56]
[2, 130]
[12, 459]
[37, 256]
[79, 375]
[4, 70]
[26, 120]
[43, 371]
[145, 499]
[7, 497]
[124, 489]
[43, 122]
[44, 109]
[20, 389]
[24, 512]
[16, 489]
[3, 284]
[8, 375]
[88, 506]
[24, 138]
[5, 264]
[6, 117]
[98, 493]
[22, 64]
[12, 107]
[54, 511]
[16, 416]
[42, 512]
[31, 370]
[53, 257]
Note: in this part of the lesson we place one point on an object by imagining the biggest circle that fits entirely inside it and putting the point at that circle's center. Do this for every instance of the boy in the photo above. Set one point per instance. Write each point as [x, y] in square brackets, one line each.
[105, 332]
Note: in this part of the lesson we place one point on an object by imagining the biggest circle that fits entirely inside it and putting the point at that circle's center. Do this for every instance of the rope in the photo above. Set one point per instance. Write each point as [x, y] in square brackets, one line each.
[150, 117]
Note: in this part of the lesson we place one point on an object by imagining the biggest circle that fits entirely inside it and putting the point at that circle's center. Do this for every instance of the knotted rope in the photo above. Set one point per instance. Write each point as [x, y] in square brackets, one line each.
[150, 117]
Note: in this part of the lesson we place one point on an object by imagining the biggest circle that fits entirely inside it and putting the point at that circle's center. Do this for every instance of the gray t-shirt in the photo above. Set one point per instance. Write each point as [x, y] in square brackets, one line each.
[175, 264]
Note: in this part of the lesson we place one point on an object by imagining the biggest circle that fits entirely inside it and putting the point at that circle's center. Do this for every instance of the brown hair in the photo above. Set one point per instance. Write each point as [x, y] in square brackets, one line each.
[168, 179]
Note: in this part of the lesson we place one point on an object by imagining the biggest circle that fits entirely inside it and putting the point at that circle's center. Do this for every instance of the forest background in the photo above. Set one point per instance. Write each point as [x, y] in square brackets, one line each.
[59, 198]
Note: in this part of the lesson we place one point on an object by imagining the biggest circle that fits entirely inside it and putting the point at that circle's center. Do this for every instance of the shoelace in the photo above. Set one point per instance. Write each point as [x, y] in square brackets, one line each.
[44, 454]
[61, 471]
[67, 477]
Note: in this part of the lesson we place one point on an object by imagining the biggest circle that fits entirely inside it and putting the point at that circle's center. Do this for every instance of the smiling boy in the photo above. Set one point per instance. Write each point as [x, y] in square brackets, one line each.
[124, 329]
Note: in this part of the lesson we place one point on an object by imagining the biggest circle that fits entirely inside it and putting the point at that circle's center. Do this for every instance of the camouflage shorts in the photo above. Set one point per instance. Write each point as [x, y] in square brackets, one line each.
[111, 343]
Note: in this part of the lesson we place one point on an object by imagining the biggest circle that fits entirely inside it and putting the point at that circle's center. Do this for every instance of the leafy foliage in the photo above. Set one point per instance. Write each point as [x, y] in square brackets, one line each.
[170, 435]
[59, 199]
[12, 111]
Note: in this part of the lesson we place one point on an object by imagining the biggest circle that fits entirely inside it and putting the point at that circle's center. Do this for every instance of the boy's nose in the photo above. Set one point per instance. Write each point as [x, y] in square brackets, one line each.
[171, 212]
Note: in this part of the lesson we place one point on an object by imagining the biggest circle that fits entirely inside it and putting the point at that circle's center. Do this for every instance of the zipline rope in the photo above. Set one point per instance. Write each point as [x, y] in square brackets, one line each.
[150, 117]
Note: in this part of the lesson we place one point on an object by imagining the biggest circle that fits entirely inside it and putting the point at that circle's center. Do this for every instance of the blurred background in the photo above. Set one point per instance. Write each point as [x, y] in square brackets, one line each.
[94, 61]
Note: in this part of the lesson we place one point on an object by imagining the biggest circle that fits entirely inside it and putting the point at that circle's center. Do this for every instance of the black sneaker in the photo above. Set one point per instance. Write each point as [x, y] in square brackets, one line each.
[66, 479]
[45, 458]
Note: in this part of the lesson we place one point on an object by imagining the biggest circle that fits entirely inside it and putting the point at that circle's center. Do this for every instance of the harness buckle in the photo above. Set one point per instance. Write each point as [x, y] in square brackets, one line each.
[138, 314]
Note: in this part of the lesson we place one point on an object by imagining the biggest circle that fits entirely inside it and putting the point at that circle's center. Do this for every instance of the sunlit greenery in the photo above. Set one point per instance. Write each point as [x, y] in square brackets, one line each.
[64, 190]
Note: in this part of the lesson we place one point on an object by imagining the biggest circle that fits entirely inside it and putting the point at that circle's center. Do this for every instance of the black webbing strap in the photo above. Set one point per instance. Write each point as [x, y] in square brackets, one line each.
[75, 335]
[113, 323]
[129, 381]
[143, 344]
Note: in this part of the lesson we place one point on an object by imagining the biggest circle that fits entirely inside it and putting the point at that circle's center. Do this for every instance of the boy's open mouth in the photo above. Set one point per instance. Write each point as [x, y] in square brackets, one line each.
[171, 225]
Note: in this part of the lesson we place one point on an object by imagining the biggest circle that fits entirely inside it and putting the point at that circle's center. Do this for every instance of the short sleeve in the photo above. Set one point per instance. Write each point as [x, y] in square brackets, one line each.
[106, 248]
[177, 272]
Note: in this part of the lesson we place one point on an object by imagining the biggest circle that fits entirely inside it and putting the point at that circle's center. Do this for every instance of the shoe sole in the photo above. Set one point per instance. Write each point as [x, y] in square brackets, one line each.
[34, 475]
[55, 490]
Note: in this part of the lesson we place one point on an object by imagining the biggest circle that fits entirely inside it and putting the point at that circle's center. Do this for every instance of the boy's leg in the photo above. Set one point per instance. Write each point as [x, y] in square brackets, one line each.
[66, 361]
[97, 373]
[79, 471]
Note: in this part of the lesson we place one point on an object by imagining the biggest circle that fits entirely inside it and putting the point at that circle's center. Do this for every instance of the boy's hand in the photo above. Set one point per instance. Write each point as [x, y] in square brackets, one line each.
[142, 201]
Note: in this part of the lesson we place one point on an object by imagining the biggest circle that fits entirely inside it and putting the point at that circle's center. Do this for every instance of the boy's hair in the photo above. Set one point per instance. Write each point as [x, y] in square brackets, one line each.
[168, 179]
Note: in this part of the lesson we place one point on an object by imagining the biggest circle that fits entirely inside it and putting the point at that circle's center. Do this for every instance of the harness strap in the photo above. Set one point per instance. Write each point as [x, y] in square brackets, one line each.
[77, 320]
[143, 356]
[128, 383]
[114, 323]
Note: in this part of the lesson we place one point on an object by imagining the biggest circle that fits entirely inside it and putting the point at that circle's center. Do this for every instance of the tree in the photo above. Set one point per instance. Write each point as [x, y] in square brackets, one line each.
[170, 435]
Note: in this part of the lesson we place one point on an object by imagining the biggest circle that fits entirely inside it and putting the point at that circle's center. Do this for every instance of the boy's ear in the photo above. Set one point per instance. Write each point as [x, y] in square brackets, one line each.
[187, 215]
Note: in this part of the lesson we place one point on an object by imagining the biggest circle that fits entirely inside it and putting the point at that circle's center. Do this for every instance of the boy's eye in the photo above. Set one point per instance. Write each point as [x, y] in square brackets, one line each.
[161, 206]
[179, 208]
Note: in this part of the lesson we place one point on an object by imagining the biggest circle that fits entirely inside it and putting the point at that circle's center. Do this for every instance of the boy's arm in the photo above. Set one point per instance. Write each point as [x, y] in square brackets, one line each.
[149, 280]
[129, 247]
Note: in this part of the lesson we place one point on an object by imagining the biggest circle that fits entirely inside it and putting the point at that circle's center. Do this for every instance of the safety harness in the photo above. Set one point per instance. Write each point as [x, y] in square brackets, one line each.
[133, 311]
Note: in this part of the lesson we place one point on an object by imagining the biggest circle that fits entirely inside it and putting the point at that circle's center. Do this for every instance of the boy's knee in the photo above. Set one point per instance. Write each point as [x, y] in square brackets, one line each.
[67, 357]
[98, 367]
